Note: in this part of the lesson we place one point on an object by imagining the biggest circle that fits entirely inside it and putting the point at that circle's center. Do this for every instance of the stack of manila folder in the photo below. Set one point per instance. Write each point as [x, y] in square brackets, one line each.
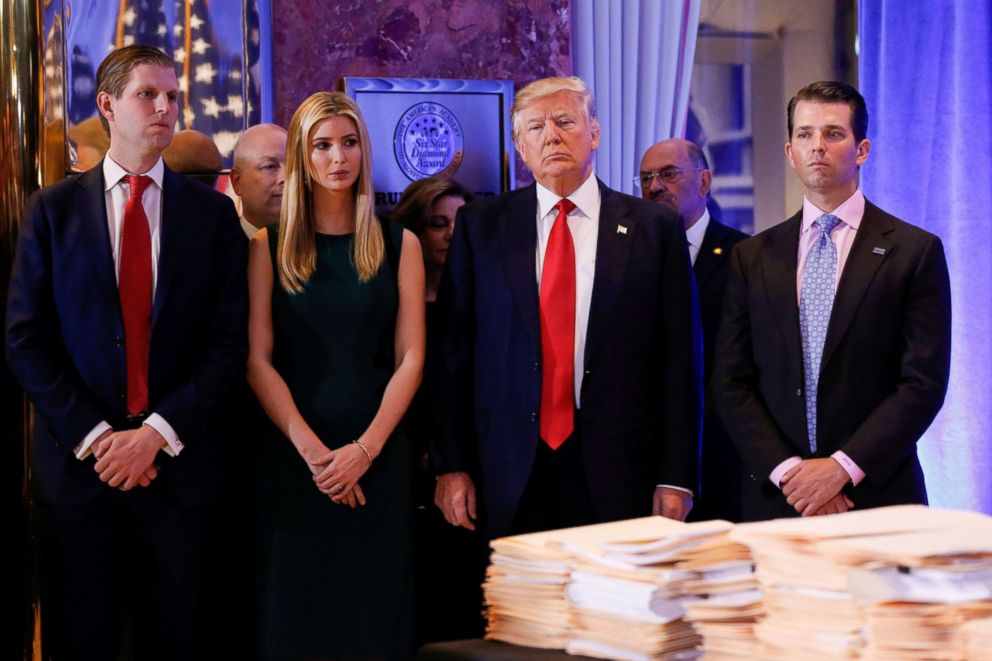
[620, 590]
[893, 583]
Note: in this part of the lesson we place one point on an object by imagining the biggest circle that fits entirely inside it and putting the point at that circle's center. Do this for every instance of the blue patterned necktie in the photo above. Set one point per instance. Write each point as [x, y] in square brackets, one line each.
[815, 303]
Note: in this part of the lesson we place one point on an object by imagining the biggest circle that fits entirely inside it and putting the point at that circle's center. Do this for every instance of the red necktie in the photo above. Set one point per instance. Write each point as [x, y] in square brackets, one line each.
[135, 288]
[558, 331]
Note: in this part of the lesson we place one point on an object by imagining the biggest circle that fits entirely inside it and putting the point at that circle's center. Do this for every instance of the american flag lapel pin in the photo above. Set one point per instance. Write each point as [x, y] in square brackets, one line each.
[878, 251]
[621, 229]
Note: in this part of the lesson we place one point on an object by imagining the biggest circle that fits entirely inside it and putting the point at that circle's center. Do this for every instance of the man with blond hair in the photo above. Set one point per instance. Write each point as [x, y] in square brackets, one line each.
[566, 376]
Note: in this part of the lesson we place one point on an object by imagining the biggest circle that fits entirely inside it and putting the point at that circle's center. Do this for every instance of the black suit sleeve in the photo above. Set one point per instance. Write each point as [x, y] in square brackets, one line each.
[451, 368]
[36, 353]
[900, 419]
[225, 340]
[734, 386]
[682, 364]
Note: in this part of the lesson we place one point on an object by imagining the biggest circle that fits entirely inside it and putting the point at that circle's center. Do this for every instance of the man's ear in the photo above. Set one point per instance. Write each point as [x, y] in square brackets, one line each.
[236, 180]
[863, 148]
[105, 105]
[705, 181]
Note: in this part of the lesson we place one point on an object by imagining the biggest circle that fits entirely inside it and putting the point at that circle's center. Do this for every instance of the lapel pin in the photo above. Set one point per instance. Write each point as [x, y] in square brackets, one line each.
[718, 251]
[621, 229]
[878, 251]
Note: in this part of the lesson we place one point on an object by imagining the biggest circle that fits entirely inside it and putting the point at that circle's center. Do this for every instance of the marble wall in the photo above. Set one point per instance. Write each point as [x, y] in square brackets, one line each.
[315, 42]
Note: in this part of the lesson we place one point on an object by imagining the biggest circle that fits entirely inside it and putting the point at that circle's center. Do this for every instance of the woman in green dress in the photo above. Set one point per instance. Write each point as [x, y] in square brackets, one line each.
[336, 354]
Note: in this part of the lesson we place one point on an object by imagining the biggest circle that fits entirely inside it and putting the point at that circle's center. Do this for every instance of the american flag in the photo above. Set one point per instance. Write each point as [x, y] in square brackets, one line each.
[211, 72]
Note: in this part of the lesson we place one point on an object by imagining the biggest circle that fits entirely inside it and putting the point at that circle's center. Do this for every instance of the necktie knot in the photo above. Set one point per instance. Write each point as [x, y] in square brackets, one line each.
[565, 206]
[827, 222]
[138, 183]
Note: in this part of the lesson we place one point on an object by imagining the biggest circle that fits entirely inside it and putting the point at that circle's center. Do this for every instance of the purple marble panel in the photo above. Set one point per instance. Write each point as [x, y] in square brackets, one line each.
[316, 42]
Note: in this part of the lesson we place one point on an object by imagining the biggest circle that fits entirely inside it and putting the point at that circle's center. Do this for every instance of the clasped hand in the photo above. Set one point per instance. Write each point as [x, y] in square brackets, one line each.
[813, 487]
[125, 459]
[336, 474]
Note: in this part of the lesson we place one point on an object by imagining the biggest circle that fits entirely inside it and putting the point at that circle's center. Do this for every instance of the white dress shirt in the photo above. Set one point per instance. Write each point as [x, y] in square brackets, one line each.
[695, 235]
[116, 194]
[583, 223]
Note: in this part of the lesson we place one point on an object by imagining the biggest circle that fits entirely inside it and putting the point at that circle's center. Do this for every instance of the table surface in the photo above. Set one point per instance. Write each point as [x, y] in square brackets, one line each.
[489, 650]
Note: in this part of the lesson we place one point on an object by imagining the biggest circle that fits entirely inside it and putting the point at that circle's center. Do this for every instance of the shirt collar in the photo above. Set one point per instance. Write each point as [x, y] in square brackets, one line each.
[849, 212]
[585, 198]
[113, 173]
[694, 235]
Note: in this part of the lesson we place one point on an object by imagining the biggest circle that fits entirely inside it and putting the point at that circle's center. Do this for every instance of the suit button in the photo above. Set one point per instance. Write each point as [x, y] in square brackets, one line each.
[588, 372]
[799, 392]
[119, 341]
[537, 366]
[121, 395]
[533, 416]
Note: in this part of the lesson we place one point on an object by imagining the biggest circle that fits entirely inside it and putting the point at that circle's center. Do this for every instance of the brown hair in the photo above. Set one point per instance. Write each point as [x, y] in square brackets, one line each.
[828, 91]
[414, 208]
[115, 70]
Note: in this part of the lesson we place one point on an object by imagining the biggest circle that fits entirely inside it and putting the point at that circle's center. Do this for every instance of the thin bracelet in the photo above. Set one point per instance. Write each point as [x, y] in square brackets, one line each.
[368, 455]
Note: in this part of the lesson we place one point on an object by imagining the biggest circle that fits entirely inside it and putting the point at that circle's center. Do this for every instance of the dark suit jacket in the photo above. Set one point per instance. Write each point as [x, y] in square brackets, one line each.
[641, 395]
[884, 369]
[721, 468]
[65, 339]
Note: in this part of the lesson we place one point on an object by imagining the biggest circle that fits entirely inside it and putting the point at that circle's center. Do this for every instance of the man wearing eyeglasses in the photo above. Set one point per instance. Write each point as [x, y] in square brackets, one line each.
[675, 173]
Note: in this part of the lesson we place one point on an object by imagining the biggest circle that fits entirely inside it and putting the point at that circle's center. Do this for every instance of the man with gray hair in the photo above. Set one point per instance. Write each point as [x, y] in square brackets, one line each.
[567, 370]
[258, 175]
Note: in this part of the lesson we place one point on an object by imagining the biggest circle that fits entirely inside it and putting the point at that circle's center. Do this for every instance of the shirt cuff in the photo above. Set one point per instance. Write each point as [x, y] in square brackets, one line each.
[83, 450]
[173, 446]
[672, 486]
[848, 465]
[779, 471]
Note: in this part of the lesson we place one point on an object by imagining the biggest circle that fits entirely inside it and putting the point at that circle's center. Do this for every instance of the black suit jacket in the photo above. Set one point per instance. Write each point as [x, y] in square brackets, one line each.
[884, 369]
[641, 392]
[65, 334]
[720, 468]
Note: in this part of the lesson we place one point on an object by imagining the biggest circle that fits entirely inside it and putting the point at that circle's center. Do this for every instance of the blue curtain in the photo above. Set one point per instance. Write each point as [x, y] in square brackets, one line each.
[926, 73]
[636, 56]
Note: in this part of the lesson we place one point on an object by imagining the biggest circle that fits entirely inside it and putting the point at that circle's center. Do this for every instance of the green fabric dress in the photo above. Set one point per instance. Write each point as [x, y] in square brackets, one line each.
[335, 582]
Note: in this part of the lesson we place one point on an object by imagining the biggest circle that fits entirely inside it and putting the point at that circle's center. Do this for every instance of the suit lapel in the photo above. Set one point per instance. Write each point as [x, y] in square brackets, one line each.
[780, 286]
[859, 270]
[175, 211]
[94, 229]
[707, 262]
[518, 228]
[612, 253]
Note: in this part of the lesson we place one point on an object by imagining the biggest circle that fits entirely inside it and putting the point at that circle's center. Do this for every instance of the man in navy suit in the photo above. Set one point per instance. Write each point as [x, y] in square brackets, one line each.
[834, 346]
[675, 173]
[126, 327]
[567, 369]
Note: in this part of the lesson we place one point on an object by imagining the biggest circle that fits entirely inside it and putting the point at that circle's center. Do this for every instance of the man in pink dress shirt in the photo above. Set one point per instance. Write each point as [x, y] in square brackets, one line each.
[834, 346]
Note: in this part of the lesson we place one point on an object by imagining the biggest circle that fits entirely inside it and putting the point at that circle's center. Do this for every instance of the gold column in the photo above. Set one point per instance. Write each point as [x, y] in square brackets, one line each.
[20, 175]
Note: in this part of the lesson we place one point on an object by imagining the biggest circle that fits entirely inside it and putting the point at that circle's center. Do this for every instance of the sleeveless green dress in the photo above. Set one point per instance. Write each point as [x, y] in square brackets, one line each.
[335, 582]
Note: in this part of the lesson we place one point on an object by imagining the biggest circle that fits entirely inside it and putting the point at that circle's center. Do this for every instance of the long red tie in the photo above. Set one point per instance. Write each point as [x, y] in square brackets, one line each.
[135, 289]
[558, 331]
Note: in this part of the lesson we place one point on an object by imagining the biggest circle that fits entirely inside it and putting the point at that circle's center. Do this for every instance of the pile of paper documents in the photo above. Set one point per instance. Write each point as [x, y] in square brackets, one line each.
[887, 583]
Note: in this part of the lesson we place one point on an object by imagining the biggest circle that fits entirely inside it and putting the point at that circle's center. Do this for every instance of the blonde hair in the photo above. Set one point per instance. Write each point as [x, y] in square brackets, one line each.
[296, 255]
[546, 87]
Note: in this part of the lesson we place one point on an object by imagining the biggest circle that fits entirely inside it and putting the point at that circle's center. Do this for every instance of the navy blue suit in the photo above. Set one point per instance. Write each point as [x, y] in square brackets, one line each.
[65, 347]
[641, 395]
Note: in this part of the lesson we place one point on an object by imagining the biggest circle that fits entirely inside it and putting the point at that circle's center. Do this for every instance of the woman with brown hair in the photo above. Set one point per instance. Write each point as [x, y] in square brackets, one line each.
[336, 335]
